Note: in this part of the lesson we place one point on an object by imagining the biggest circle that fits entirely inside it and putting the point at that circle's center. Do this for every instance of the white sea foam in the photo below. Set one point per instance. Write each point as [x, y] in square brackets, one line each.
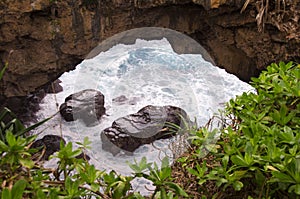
[148, 72]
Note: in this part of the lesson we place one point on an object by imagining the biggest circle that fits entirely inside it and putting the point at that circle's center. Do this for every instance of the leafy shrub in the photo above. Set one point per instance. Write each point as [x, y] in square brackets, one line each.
[23, 176]
[258, 153]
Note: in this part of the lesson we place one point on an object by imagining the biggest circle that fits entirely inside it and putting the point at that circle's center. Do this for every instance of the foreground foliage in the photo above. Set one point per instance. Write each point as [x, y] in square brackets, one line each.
[22, 176]
[257, 154]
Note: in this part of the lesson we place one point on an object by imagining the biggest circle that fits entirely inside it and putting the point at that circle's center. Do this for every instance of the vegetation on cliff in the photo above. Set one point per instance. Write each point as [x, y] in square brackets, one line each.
[283, 14]
[256, 155]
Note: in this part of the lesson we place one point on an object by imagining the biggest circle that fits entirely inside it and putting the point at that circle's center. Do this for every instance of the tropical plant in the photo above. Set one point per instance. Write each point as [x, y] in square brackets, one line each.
[258, 152]
[23, 176]
[161, 178]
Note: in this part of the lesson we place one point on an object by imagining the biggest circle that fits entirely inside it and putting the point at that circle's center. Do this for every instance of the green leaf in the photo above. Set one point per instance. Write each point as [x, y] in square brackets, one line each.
[3, 146]
[293, 150]
[238, 185]
[165, 162]
[18, 189]
[178, 190]
[10, 138]
[135, 168]
[95, 187]
[237, 175]
[293, 169]
[281, 177]
[141, 166]
[297, 189]
[3, 70]
[221, 181]
[22, 132]
[119, 190]
[163, 193]
[260, 178]
[68, 183]
[6, 194]
[85, 144]
[239, 160]
[27, 163]
[193, 171]
[165, 173]
[136, 195]
[40, 194]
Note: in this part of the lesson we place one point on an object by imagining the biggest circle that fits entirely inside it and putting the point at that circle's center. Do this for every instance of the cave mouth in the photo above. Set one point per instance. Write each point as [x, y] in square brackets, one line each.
[133, 72]
[181, 43]
[230, 38]
[228, 57]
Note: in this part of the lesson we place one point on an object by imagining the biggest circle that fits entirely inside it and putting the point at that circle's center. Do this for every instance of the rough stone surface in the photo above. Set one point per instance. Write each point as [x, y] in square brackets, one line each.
[50, 144]
[147, 125]
[42, 39]
[87, 105]
[54, 87]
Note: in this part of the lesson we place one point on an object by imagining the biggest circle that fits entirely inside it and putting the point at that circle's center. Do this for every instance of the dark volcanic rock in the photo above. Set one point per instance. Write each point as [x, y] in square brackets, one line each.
[147, 125]
[41, 39]
[54, 87]
[122, 99]
[87, 105]
[51, 144]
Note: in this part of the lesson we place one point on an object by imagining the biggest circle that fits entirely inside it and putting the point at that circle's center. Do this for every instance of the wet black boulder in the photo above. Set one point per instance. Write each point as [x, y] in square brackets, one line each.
[147, 125]
[47, 146]
[87, 105]
[50, 144]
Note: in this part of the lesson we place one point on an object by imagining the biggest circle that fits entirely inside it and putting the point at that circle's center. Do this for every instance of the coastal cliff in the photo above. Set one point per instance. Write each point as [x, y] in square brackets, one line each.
[41, 39]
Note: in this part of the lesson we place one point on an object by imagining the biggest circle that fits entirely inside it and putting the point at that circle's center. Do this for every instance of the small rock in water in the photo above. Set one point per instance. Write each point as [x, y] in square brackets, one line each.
[144, 127]
[87, 105]
[51, 144]
[122, 99]
[54, 87]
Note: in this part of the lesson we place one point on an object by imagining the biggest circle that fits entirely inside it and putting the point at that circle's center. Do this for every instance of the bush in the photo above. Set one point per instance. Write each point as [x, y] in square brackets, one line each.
[23, 177]
[258, 153]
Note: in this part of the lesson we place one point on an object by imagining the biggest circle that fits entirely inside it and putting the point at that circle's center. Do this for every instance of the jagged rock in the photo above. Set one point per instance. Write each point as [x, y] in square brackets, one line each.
[147, 125]
[50, 144]
[47, 38]
[54, 87]
[87, 105]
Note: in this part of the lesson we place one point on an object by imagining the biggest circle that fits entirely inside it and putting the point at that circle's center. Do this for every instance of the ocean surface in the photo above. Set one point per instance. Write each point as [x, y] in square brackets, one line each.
[147, 73]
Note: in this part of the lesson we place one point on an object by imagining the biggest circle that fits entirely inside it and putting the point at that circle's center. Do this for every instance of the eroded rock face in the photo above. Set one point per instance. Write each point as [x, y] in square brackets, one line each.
[41, 39]
[147, 125]
[87, 105]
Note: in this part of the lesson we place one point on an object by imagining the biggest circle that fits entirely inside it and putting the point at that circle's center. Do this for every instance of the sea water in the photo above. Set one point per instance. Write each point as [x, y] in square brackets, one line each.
[146, 73]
